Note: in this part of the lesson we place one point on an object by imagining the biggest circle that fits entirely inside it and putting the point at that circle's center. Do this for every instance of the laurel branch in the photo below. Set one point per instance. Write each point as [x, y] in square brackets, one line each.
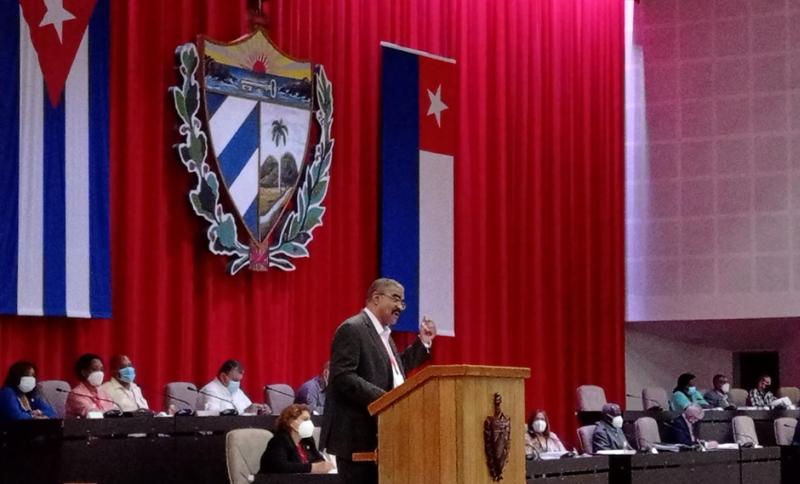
[299, 225]
[222, 234]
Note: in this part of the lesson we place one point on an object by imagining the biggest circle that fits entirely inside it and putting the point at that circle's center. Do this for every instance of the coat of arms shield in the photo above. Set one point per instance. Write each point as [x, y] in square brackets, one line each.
[256, 125]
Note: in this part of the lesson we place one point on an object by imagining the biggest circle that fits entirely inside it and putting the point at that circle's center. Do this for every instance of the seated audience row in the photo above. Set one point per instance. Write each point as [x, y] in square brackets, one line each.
[686, 393]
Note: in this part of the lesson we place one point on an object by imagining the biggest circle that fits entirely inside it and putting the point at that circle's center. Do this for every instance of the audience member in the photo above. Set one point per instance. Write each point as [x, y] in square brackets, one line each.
[87, 396]
[717, 397]
[539, 438]
[683, 429]
[685, 393]
[19, 399]
[224, 392]
[608, 434]
[760, 396]
[292, 449]
[312, 392]
[121, 387]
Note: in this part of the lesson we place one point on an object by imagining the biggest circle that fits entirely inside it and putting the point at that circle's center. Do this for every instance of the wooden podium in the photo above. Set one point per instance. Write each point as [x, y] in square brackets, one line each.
[430, 429]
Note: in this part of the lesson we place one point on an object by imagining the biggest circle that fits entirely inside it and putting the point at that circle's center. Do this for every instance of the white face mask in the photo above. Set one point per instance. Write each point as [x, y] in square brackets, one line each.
[617, 422]
[726, 388]
[539, 426]
[27, 384]
[95, 378]
[305, 429]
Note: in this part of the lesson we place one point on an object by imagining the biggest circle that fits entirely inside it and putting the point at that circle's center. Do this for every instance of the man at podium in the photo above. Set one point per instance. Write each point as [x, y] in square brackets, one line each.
[364, 365]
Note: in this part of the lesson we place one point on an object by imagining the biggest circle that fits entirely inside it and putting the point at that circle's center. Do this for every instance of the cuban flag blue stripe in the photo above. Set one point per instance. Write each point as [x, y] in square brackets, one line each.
[54, 210]
[213, 102]
[400, 179]
[99, 222]
[9, 150]
[241, 147]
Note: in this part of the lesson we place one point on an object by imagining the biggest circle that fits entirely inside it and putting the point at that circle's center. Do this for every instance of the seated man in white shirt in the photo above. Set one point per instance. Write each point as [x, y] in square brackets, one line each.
[121, 387]
[223, 392]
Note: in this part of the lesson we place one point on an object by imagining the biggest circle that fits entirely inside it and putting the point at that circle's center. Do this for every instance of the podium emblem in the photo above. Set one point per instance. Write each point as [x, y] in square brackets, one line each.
[497, 439]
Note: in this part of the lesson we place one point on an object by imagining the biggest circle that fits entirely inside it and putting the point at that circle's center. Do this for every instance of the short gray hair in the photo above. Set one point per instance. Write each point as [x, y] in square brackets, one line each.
[380, 285]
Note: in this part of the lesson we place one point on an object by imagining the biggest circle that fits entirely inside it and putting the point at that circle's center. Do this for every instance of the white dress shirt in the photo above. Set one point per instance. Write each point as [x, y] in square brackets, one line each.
[385, 333]
[128, 399]
[224, 400]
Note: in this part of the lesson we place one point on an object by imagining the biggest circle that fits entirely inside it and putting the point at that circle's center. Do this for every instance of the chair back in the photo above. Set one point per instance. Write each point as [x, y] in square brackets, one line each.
[278, 396]
[654, 397]
[784, 430]
[792, 392]
[591, 398]
[176, 391]
[243, 450]
[585, 435]
[647, 434]
[738, 397]
[47, 389]
[744, 430]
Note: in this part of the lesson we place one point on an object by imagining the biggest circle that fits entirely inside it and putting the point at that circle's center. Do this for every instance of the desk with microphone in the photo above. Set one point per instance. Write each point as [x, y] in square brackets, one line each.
[222, 413]
[108, 413]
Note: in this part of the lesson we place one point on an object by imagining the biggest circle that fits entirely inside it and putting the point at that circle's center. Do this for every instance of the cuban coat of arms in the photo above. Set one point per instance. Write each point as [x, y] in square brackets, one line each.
[247, 111]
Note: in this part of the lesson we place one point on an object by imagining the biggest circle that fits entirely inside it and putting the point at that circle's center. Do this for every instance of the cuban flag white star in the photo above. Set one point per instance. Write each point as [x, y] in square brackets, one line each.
[437, 106]
[56, 15]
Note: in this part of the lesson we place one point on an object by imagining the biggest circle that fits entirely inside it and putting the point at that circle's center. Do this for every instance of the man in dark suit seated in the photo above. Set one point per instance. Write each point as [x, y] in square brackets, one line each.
[608, 434]
[364, 365]
[683, 429]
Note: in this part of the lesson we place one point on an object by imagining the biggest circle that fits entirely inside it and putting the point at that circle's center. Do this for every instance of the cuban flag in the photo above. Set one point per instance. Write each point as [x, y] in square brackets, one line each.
[419, 118]
[54, 240]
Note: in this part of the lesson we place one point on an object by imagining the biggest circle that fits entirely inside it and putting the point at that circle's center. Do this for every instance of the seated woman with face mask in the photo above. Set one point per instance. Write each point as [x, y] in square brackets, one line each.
[19, 399]
[685, 393]
[539, 439]
[608, 434]
[87, 396]
[292, 448]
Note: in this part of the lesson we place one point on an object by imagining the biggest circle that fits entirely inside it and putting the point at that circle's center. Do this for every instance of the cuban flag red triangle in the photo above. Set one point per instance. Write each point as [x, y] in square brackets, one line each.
[57, 28]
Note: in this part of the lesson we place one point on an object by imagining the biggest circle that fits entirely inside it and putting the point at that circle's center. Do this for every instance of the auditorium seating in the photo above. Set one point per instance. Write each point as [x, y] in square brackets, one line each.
[744, 430]
[278, 396]
[792, 392]
[243, 450]
[56, 399]
[784, 430]
[176, 391]
[738, 397]
[585, 435]
[591, 398]
[646, 430]
[654, 397]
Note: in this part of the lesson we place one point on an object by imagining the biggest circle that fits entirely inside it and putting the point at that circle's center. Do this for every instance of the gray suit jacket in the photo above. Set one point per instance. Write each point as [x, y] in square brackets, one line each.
[608, 437]
[360, 372]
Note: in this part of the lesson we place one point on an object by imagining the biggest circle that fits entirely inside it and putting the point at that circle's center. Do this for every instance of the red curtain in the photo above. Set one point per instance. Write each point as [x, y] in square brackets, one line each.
[539, 192]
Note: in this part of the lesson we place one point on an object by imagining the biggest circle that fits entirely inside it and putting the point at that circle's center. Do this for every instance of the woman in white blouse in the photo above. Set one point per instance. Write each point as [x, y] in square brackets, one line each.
[539, 438]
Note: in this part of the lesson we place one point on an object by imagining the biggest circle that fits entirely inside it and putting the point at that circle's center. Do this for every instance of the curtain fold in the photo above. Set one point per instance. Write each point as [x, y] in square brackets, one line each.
[539, 200]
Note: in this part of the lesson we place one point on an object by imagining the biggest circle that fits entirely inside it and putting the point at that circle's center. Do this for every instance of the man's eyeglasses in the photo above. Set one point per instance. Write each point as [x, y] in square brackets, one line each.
[395, 298]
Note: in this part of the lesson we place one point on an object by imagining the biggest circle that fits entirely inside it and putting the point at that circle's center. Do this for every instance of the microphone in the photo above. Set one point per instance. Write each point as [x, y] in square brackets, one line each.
[184, 411]
[107, 413]
[230, 411]
[657, 407]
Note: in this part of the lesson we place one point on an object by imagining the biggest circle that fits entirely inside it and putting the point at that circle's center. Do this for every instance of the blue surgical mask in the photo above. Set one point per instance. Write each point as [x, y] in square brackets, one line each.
[233, 386]
[692, 389]
[127, 374]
